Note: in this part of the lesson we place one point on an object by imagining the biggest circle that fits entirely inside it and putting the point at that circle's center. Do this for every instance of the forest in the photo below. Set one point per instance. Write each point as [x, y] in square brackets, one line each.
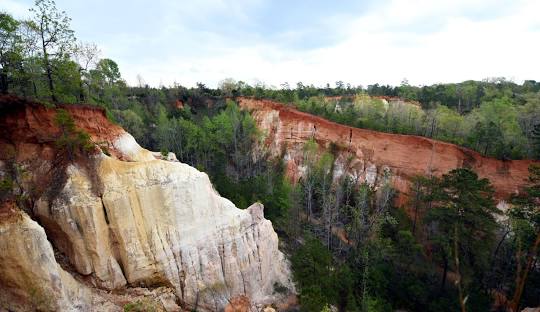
[457, 255]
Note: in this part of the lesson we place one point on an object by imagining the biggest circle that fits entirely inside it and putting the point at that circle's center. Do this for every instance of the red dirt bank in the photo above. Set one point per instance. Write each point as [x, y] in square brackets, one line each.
[30, 126]
[405, 155]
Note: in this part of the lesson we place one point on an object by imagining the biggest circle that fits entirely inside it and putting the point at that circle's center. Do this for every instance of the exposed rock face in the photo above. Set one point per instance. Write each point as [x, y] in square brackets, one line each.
[162, 223]
[30, 272]
[172, 227]
[151, 223]
[366, 154]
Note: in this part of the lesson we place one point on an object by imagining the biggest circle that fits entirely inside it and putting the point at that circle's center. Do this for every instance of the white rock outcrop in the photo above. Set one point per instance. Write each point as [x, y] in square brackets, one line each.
[34, 280]
[161, 223]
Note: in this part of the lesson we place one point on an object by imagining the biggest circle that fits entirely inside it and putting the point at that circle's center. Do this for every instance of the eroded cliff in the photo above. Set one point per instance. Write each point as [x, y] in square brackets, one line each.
[125, 220]
[367, 154]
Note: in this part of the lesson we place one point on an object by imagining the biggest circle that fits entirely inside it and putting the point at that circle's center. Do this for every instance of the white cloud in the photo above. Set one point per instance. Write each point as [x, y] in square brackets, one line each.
[424, 41]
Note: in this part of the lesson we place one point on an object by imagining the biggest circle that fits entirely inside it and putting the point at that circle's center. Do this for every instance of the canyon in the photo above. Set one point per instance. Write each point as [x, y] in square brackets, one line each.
[368, 156]
[122, 224]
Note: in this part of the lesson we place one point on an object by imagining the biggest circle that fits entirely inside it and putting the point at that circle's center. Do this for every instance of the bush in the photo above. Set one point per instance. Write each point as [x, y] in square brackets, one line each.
[143, 305]
[71, 141]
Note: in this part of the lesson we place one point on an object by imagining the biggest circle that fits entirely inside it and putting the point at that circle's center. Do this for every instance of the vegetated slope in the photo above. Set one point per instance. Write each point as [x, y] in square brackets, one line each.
[147, 223]
[366, 154]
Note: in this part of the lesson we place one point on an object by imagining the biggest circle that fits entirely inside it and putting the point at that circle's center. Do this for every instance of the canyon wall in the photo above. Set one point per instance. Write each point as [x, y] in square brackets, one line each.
[366, 154]
[125, 220]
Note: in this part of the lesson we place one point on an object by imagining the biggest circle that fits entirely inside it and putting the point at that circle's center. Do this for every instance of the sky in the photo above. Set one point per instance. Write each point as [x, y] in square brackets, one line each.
[316, 42]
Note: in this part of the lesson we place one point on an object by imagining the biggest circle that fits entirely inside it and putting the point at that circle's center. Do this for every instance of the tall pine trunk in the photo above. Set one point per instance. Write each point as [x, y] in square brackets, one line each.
[523, 273]
[3, 82]
[458, 271]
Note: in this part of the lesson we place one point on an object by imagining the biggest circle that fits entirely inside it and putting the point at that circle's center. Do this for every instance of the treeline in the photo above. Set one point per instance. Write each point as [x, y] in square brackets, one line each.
[353, 250]
[462, 97]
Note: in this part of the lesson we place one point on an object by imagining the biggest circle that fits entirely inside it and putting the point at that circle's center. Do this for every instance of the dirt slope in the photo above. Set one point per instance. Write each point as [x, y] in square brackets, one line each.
[374, 152]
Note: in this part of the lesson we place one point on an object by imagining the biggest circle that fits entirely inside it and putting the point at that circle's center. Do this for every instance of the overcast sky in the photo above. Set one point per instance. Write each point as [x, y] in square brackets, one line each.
[276, 41]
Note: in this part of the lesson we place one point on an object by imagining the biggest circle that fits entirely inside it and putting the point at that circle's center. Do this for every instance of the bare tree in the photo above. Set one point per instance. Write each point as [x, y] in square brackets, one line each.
[86, 55]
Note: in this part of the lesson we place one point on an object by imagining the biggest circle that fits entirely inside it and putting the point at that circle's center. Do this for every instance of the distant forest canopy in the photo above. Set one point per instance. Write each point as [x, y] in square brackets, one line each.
[41, 58]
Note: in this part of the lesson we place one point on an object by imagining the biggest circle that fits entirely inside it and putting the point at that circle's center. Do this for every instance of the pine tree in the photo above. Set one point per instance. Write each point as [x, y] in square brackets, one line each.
[462, 226]
[525, 221]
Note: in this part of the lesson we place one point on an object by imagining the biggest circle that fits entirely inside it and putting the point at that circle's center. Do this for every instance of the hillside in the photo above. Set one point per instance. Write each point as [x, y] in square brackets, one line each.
[373, 152]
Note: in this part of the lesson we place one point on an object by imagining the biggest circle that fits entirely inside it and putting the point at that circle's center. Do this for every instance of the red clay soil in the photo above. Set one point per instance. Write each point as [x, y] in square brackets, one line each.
[9, 211]
[239, 303]
[405, 155]
[29, 125]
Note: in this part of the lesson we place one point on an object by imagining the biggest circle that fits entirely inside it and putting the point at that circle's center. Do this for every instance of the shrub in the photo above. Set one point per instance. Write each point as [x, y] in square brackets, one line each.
[143, 305]
[72, 141]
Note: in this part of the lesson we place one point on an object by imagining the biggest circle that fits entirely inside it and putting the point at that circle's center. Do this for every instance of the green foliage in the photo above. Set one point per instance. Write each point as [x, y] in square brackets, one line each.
[52, 29]
[72, 141]
[383, 266]
[11, 46]
[524, 225]
[143, 305]
[315, 274]
[462, 226]
[496, 129]
[109, 71]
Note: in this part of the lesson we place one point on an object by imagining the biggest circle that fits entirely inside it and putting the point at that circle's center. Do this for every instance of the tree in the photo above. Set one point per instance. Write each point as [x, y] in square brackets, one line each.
[421, 197]
[55, 36]
[462, 226]
[495, 128]
[30, 73]
[326, 193]
[85, 55]
[109, 69]
[10, 49]
[525, 221]
[529, 122]
[227, 87]
[72, 141]
[314, 273]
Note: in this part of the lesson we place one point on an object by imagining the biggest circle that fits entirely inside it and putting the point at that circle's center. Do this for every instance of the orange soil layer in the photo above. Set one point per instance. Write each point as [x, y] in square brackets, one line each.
[23, 122]
[405, 155]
